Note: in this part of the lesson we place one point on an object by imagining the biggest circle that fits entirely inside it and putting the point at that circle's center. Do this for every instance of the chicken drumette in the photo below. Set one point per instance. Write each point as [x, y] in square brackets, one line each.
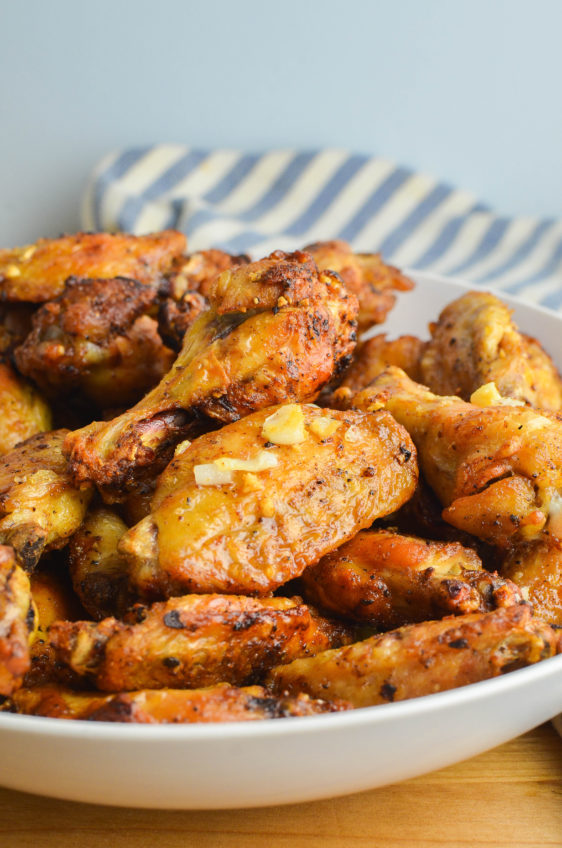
[24, 412]
[277, 330]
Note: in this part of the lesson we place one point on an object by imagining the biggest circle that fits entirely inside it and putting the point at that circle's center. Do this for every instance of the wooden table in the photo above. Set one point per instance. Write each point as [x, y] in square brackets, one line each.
[510, 797]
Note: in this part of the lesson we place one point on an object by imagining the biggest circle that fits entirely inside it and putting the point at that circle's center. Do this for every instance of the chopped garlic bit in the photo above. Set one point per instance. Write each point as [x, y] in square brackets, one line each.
[352, 434]
[524, 592]
[260, 462]
[182, 447]
[555, 515]
[12, 271]
[374, 407]
[324, 427]
[286, 426]
[208, 474]
[488, 395]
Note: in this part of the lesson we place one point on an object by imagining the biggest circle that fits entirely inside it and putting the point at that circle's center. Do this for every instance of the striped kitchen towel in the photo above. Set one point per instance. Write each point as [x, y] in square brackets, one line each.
[257, 202]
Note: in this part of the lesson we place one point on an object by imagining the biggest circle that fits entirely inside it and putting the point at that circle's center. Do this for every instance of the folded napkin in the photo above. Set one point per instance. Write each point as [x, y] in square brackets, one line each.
[257, 202]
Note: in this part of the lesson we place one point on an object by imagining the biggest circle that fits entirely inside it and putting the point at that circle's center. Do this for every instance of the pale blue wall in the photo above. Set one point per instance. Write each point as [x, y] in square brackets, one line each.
[469, 90]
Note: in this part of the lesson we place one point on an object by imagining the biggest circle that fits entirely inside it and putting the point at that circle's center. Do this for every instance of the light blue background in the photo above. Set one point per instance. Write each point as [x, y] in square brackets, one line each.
[468, 90]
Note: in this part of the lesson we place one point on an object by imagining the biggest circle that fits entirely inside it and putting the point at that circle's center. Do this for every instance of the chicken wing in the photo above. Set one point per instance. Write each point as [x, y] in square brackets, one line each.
[218, 703]
[537, 569]
[497, 470]
[389, 580]
[97, 338]
[17, 622]
[277, 331]
[192, 641]
[421, 659]
[475, 342]
[39, 506]
[24, 412]
[246, 509]
[98, 570]
[37, 272]
[366, 275]
[371, 358]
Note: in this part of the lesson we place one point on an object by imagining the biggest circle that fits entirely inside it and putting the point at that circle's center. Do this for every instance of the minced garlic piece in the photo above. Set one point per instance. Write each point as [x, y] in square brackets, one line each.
[208, 474]
[374, 407]
[183, 446]
[324, 427]
[488, 395]
[286, 426]
[260, 462]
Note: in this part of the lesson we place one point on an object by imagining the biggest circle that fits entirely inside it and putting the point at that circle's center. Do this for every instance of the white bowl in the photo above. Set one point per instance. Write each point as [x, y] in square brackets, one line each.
[299, 759]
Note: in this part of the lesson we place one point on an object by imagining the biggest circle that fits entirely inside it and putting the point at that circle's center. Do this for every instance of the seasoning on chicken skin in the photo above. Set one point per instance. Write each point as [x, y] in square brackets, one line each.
[192, 641]
[197, 271]
[247, 508]
[220, 703]
[537, 569]
[24, 412]
[98, 338]
[175, 317]
[38, 272]
[421, 659]
[497, 469]
[366, 275]
[98, 570]
[39, 506]
[277, 331]
[17, 622]
[475, 342]
[389, 580]
[371, 358]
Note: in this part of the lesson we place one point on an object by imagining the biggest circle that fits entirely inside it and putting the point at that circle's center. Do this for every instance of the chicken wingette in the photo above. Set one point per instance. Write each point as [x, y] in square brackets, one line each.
[388, 580]
[218, 703]
[98, 570]
[17, 622]
[537, 568]
[366, 275]
[192, 641]
[277, 330]
[475, 342]
[421, 659]
[38, 272]
[247, 508]
[496, 469]
[40, 508]
[24, 412]
[97, 338]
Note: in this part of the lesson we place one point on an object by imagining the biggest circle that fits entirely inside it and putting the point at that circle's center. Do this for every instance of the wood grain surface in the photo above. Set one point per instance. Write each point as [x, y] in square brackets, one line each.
[509, 797]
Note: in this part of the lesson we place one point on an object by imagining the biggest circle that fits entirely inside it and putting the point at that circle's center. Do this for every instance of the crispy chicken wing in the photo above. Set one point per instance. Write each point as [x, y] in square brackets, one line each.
[17, 621]
[366, 275]
[97, 338]
[39, 506]
[475, 342]
[37, 272]
[389, 580]
[24, 412]
[218, 703]
[497, 470]
[277, 331]
[247, 508]
[537, 569]
[98, 570]
[371, 358]
[192, 641]
[420, 659]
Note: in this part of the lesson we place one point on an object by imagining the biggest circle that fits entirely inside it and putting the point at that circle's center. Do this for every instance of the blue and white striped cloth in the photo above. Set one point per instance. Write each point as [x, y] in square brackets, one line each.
[255, 203]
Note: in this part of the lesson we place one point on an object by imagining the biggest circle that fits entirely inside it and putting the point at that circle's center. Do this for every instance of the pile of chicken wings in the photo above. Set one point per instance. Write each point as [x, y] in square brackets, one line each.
[219, 503]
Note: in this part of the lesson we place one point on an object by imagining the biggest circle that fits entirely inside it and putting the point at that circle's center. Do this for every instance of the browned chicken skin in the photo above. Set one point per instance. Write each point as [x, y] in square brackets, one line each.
[192, 641]
[497, 470]
[537, 569]
[24, 412]
[39, 506]
[98, 338]
[389, 580]
[243, 511]
[421, 659]
[366, 275]
[98, 570]
[218, 703]
[38, 272]
[15, 324]
[17, 621]
[198, 271]
[277, 331]
[175, 317]
[475, 342]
